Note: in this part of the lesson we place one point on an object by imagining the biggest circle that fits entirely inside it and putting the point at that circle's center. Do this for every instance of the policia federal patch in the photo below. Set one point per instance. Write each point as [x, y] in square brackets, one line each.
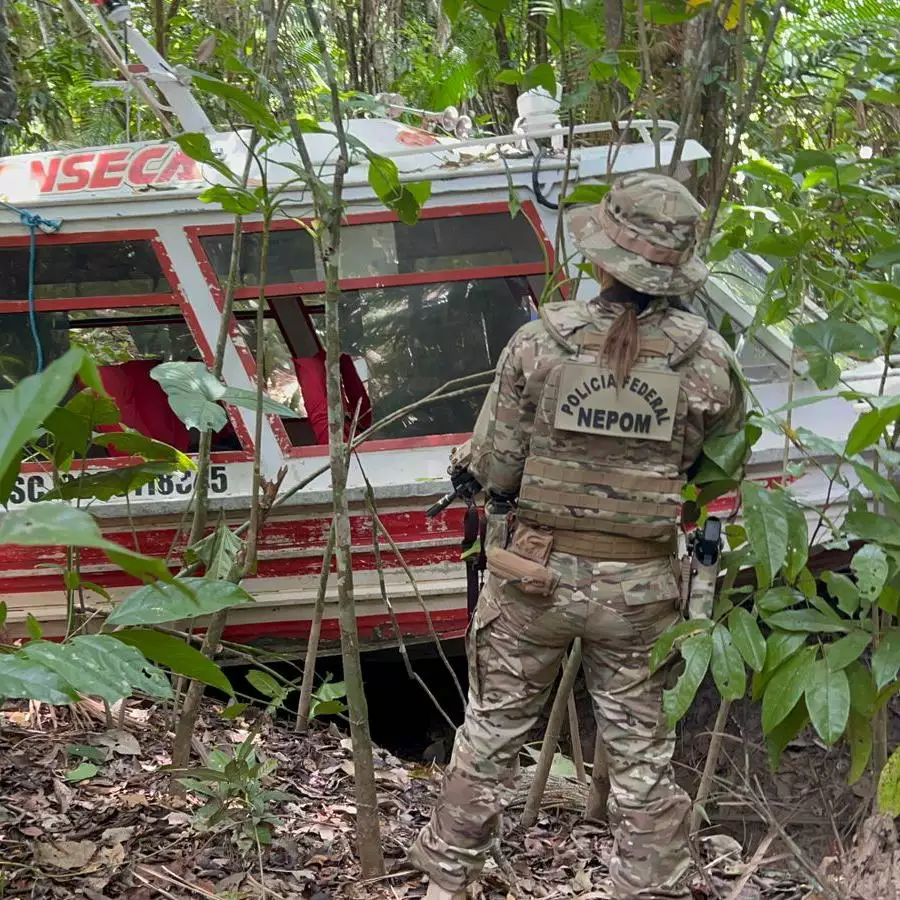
[642, 407]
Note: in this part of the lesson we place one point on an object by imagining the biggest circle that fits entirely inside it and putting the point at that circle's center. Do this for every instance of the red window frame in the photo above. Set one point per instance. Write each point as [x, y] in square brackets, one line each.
[174, 297]
[196, 232]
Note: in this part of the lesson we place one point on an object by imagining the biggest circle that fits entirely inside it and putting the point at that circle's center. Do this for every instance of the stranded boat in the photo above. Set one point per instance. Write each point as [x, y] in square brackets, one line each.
[135, 272]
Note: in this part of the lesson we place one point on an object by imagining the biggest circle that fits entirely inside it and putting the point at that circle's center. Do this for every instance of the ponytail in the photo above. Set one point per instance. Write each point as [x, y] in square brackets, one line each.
[623, 340]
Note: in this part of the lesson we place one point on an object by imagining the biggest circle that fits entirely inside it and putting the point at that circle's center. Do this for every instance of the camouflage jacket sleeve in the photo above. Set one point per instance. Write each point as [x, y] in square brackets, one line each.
[716, 401]
[499, 443]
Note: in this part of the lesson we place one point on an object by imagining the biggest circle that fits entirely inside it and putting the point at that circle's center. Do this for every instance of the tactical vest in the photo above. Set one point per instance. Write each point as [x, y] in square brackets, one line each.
[605, 459]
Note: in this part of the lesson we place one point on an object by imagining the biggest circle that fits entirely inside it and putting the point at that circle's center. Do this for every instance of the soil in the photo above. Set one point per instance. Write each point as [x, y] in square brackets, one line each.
[119, 833]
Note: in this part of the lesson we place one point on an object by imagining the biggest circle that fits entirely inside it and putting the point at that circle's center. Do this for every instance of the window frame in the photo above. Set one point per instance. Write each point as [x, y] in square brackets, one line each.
[194, 234]
[174, 298]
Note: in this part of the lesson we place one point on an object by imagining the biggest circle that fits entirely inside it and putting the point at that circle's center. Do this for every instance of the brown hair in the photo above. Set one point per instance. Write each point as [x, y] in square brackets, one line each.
[623, 340]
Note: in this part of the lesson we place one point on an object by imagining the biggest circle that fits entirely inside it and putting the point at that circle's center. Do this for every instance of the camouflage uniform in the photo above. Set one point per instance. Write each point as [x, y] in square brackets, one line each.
[598, 469]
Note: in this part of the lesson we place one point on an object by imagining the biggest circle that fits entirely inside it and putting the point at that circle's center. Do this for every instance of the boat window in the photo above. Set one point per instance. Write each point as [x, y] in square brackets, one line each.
[126, 343]
[96, 269]
[386, 249]
[400, 344]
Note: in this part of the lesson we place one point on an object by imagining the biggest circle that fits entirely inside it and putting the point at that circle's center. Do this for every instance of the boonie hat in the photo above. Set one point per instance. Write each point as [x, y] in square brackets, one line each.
[644, 233]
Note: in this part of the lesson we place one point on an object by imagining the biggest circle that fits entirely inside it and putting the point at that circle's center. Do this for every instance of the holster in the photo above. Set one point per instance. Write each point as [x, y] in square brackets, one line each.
[524, 565]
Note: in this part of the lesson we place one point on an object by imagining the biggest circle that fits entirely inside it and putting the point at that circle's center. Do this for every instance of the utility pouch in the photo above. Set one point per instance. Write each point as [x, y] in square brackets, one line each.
[532, 544]
[525, 574]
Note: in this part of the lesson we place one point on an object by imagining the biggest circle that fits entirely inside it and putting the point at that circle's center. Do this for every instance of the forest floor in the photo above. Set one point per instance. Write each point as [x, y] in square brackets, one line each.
[85, 811]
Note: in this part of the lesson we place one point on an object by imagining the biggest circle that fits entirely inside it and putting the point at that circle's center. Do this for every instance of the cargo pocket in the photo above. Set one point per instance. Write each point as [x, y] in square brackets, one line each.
[477, 649]
[651, 603]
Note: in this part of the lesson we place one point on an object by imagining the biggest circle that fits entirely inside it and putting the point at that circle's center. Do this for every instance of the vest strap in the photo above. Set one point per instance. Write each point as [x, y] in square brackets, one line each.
[532, 494]
[611, 547]
[591, 525]
[628, 481]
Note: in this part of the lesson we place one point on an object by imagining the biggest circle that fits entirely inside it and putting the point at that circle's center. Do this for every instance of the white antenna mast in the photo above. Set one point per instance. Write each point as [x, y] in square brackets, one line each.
[173, 82]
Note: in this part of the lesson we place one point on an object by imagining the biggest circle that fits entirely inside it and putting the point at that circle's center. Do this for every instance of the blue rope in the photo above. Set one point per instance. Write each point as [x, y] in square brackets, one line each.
[33, 221]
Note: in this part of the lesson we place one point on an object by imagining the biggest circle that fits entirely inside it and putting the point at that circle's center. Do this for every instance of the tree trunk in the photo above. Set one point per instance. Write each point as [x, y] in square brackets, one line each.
[510, 91]
[614, 18]
[9, 106]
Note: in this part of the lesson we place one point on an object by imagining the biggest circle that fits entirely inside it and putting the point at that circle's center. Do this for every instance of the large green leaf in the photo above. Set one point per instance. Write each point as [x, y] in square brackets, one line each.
[886, 658]
[159, 603]
[22, 678]
[247, 400]
[61, 525]
[218, 552]
[748, 638]
[862, 689]
[822, 341]
[870, 426]
[805, 620]
[767, 529]
[24, 407]
[785, 731]
[252, 111]
[889, 786]
[110, 483]
[99, 665]
[786, 687]
[870, 565]
[673, 636]
[177, 655]
[135, 444]
[859, 737]
[842, 589]
[697, 652]
[727, 665]
[873, 527]
[778, 598]
[404, 199]
[827, 697]
[193, 394]
[848, 649]
[94, 408]
[798, 538]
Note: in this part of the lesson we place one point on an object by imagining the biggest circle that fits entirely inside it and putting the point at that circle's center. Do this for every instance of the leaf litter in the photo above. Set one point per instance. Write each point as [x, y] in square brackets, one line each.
[123, 834]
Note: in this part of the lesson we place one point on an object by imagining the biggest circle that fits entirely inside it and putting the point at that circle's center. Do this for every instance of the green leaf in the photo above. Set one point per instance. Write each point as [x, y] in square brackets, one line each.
[91, 754]
[247, 400]
[384, 179]
[232, 199]
[23, 679]
[541, 75]
[812, 159]
[798, 538]
[198, 147]
[881, 488]
[822, 341]
[828, 701]
[508, 76]
[99, 665]
[135, 444]
[159, 603]
[785, 731]
[846, 650]
[786, 687]
[697, 652]
[778, 598]
[886, 658]
[252, 110]
[672, 636]
[769, 173]
[889, 786]
[492, 10]
[452, 9]
[82, 773]
[218, 552]
[35, 631]
[662, 13]
[8, 478]
[630, 76]
[748, 638]
[862, 689]
[870, 565]
[859, 737]
[193, 393]
[110, 483]
[24, 407]
[327, 699]
[873, 527]
[842, 589]
[514, 202]
[234, 710]
[767, 528]
[3, 614]
[587, 193]
[60, 525]
[177, 655]
[869, 427]
[885, 258]
[264, 683]
[94, 408]
[727, 665]
[808, 620]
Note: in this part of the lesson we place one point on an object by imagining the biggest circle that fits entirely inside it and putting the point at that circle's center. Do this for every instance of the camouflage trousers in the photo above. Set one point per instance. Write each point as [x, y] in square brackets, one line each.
[516, 646]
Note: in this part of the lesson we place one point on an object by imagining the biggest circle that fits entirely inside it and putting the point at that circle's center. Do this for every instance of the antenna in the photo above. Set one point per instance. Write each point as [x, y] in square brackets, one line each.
[172, 82]
[449, 119]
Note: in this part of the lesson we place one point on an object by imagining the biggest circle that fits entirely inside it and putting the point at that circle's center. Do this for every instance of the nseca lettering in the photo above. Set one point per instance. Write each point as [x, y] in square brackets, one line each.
[607, 382]
[102, 170]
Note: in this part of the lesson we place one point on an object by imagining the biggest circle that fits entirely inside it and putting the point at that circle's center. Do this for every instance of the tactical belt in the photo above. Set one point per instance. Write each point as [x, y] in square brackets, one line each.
[601, 547]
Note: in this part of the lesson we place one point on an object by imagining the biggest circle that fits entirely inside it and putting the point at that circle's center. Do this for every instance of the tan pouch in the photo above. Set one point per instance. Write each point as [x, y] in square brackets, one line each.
[528, 576]
[532, 543]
